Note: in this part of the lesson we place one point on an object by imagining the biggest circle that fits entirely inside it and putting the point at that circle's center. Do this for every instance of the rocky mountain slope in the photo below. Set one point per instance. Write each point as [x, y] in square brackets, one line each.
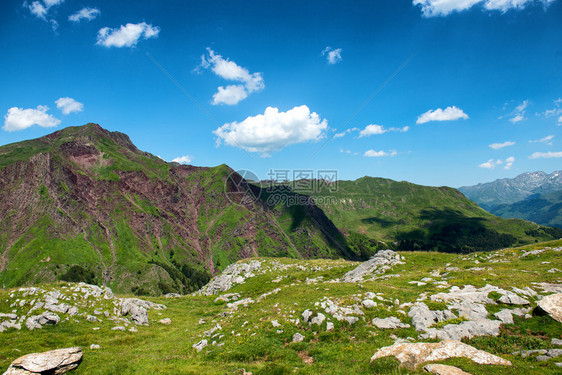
[380, 213]
[84, 204]
[511, 190]
[483, 313]
[545, 209]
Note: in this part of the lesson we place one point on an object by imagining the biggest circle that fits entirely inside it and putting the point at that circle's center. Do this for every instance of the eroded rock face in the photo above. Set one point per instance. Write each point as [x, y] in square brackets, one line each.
[379, 263]
[552, 305]
[55, 362]
[414, 354]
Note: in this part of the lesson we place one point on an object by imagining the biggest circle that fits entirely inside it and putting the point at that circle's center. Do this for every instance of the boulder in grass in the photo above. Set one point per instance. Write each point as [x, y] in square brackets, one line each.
[53, 362]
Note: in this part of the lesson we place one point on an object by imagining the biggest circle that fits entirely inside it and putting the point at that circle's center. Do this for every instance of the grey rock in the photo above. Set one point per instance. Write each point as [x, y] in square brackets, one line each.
[166, 321]
[200, 345]
[513, 299]
[556, 342]
[233, 274]
[389, 323]
[118, 328]
[297, 337]
[379, 263]
[552, 305]
[94, 346]
[329, 326]
[505, 316]
[306, 315]
[57, 361]
[318, 319]
[542, 358]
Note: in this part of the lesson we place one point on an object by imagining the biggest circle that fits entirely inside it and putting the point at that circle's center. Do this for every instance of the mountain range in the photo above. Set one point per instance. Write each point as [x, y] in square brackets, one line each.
[84, 204]
[535, 196]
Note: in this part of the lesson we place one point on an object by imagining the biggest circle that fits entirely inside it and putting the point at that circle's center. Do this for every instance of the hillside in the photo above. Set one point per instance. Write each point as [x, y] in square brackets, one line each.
[291, 316]
[545, 209]
[414, 217]
[511, 190]
[84, 204]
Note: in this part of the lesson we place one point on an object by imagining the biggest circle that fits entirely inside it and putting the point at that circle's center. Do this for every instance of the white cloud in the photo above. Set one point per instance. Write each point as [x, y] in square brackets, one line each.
[69, 105]
[229, 95]
[509, 162]
[447, 114]
[491, 164]
[41, 9]
[519, 112]
[560, 120]
[332, 55]
[273, 130]
[127, 35]
[433, 8]
[230, 71]
[19, 118]
[546, 140]
[186, 159]
[87, 14]
[38, 9]
[546, 155]
[374, 129]
[378, 154]
[497, 146]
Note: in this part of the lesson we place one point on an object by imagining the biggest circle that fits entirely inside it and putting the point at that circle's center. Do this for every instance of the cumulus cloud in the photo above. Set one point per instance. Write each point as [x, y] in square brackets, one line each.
[68, 105]
[87, 14]
[20, 119]
[447, 114]
[229, 95]
[273, 130]
[491, 164]
[546, 140]
[230, 71]
[342, 134]
[127, 35]
[560, 120]
[433, 8]
[546, 155]
[378, 154]
[497, 146]
[374, 129]
[333, 56]
[186, 159]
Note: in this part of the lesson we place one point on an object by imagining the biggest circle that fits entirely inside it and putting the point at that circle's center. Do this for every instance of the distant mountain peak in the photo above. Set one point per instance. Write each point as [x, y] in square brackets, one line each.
[511, 190]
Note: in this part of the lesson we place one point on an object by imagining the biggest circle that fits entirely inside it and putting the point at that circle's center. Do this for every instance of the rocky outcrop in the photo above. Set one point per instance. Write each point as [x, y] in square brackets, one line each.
[389, 323]
[551, 305]
[53, 362]
[136, 309]
[234, 274]
[379, 263]
[412, 355]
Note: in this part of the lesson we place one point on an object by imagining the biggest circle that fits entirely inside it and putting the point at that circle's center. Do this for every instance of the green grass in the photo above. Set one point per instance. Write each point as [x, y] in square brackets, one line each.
[257, 347]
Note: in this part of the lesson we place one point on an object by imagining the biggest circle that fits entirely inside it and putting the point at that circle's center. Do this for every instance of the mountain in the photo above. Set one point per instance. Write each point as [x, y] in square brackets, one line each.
[380, 213]
[545, 209]
[84, 204]
[511, 190]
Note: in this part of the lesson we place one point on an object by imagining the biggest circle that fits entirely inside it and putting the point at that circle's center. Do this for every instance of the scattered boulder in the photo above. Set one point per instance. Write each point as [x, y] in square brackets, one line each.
[200, 345]
[389, 323]
[94, 346]
[166, 321]
[234, 274]
[444, 370]
[379, 263]
[412, 355]
[551, 305]
[505, 316]
[513, 299]
[57, 361]
[297, 337]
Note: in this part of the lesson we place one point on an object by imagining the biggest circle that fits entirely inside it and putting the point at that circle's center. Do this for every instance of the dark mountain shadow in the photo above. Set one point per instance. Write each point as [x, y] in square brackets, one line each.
[384, 223]
[448, 230]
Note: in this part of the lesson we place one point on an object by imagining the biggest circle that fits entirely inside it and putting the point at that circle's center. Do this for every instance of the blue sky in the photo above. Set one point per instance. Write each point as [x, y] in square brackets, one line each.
[436, 92]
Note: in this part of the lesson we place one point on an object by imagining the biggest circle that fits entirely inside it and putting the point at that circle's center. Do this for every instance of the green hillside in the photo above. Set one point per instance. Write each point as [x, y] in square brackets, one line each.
[415, 217]
[545, 209]
[84, 204]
